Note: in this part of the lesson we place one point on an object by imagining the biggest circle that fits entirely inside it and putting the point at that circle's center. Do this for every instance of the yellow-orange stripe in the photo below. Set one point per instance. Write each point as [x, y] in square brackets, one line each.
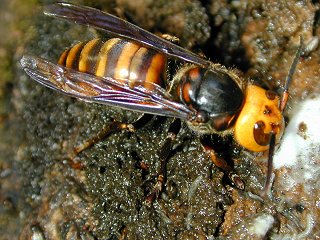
[103, 55]
[63, 57]
[85, 54]
[135, 66]
[155, 68]
[124, 60]
[73, 54]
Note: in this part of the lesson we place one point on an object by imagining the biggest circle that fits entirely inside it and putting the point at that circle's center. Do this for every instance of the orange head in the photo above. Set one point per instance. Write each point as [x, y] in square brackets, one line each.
[259, 118]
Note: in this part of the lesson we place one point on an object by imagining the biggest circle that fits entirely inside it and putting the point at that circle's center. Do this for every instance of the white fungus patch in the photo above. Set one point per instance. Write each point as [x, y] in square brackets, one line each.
[300, 145]
[260, 225]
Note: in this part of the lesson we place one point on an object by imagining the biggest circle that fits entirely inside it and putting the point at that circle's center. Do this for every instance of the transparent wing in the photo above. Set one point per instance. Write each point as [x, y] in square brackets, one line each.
[149, 98]
[119, 27]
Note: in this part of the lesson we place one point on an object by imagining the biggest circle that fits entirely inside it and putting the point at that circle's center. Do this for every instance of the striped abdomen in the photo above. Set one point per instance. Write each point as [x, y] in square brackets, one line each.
[116, 58]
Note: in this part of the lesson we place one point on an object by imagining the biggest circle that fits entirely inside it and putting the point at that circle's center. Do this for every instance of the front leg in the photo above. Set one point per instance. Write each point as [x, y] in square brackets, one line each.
[223, 165]
[164, 154]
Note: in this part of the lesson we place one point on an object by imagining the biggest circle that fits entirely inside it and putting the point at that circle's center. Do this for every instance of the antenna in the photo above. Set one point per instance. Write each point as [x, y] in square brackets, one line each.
[283, 104]
[285, 94]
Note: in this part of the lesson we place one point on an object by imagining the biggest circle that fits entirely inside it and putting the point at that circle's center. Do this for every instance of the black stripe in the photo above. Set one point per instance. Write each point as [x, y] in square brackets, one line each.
[142, 70]
[113, 57]
[75, 63]
[64, 60]
[92, 57]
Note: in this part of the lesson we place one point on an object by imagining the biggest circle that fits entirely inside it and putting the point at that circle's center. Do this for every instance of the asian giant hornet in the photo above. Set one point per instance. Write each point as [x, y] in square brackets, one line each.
[129, 71]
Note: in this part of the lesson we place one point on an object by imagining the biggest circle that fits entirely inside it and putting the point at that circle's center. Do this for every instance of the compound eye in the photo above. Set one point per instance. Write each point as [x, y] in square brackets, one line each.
[262, 138]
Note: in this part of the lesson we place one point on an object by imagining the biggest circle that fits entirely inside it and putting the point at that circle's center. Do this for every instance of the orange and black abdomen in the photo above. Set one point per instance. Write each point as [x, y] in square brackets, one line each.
[116, 58]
